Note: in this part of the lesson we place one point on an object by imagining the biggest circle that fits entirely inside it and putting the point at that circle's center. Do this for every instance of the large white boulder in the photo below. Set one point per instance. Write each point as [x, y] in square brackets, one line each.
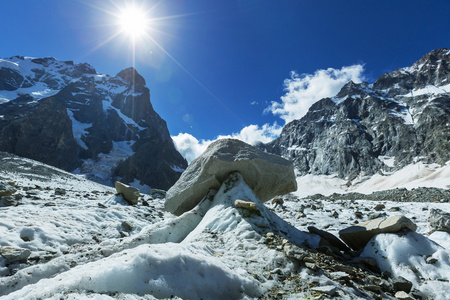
[266, 174]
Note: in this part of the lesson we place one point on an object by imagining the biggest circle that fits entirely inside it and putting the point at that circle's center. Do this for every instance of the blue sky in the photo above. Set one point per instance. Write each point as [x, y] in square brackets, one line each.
[214, 67]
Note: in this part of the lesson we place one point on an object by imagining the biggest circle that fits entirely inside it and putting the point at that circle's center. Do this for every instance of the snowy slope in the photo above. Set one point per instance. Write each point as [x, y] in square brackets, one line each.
[82, 249]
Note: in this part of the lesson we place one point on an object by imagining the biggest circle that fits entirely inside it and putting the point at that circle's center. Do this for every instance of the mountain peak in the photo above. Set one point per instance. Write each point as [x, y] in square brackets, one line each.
[131, 76]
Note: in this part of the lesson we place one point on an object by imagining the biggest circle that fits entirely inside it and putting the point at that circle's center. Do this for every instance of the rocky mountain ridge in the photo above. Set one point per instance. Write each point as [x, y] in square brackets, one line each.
[402, 118]
[69, 116]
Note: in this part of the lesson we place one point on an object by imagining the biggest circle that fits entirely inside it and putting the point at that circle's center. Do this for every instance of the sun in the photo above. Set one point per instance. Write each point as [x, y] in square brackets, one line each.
[133, 21]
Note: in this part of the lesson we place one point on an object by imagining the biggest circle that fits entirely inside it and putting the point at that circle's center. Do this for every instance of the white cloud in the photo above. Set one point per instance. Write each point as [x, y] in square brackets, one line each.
[304, 90]
[190, 147]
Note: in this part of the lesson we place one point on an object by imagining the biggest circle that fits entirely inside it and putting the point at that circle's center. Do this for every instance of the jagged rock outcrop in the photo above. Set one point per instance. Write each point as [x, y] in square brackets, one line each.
[68, 116]
[403, 117]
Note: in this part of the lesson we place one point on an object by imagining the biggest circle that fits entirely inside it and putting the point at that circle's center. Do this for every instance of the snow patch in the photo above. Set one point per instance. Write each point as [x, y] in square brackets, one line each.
[389, 251]
[108, 106]
[78, 129]
[387, 160]
[177, 169]
[410, 177]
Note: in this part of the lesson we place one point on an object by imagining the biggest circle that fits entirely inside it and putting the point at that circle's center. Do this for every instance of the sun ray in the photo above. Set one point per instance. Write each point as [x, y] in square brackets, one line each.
[135, 22]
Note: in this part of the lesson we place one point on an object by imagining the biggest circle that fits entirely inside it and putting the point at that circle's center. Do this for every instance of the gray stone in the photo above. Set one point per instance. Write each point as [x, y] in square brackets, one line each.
[127, 226]
[402, 284]
[248, 205]
[13, 254]
[439, 220]
[8, 200]
[330, 238]
[327, 289]
[339, 275]
[6, 189]
[266, 174]
[431, 260]
[60, 191]
[357, 236]
[403, 296]
[294, 252]
[129, 193]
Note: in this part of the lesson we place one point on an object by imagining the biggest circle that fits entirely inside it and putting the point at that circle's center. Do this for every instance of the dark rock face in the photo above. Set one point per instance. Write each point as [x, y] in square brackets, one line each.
[44, 135]
[67, 115]
[402, 118]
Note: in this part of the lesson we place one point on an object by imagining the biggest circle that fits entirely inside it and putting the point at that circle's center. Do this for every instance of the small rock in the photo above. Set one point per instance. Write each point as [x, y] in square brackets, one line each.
[439, 220]
[403, 296]
[394, 209]
[12, 183]
[431, 260]
[327, 289]
[60, 191]
[8, 200]
[129, 193]
[246, 205]
[127, 226]
[368, 261]
[402, 284]
[338, 275]
[101, 205]
[333, 240]
[372, 288]
[379, 207]
[124, 234]
[145, 203]
[375, 215]
[358, 214]
[278, 202]
[27, 234]
[311, 266]
[335, 214]
[6, 189]
[157, 193]
[292, 251]
[13, 254]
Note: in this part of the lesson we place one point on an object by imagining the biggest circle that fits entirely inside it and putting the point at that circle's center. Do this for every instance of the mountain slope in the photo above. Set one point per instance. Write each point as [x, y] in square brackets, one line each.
[403, 117]
[67, 115]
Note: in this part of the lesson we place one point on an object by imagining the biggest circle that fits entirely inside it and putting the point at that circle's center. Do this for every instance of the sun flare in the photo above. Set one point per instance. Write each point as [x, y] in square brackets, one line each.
[133, 22]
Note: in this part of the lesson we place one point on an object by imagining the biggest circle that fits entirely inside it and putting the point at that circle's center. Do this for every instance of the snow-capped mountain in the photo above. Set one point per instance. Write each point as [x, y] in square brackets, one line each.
[402, 118]
[69, 116]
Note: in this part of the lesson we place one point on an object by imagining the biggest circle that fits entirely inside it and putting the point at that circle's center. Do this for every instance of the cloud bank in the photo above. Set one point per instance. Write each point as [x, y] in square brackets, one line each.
[190, 147]
[304, 90]
[301, 92]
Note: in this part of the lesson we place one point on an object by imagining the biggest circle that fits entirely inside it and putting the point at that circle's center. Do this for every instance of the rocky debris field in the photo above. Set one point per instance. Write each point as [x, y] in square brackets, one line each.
[421, 194]
[63, 237]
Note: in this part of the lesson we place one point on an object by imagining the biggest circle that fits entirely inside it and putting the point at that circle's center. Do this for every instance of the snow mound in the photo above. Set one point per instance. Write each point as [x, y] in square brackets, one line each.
[160, 270]
[406, 255]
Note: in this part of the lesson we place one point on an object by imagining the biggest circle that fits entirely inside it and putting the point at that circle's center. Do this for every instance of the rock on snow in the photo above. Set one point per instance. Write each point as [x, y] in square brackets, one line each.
[266, 174]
